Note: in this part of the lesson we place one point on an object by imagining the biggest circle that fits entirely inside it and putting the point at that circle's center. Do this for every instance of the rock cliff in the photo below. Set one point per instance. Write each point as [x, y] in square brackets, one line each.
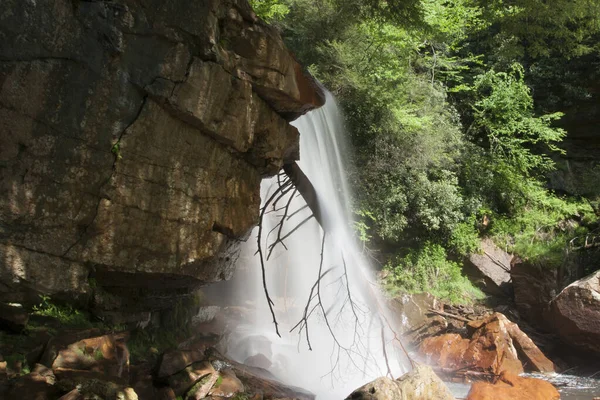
[134, 135]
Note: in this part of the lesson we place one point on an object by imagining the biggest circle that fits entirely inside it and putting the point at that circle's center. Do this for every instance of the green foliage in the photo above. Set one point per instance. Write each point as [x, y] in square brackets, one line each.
[116, 150]
[428, 270]
[537, 28]
[464, 239]
[432, 165]
[361, 225]
[542, 230]
[98, 355]
[66, 314]
[270, 10]
[503, 114]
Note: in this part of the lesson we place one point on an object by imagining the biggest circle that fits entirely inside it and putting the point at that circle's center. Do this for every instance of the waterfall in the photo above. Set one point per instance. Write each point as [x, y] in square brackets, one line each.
[350, 335]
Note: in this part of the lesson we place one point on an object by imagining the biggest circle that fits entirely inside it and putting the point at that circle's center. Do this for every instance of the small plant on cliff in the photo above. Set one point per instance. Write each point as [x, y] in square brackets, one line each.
[116, 150]
[67, 315]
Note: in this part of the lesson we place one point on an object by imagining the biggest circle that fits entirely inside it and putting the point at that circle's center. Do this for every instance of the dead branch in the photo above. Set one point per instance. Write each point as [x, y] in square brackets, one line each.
[307, 190]
[270, 302]
[445, 314]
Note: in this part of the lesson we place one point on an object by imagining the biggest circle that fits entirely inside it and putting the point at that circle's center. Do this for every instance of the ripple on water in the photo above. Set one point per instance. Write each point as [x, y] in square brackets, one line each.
[572, 387]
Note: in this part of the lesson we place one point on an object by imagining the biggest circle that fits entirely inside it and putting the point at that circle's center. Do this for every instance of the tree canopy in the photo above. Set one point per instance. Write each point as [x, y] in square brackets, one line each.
[454, 110]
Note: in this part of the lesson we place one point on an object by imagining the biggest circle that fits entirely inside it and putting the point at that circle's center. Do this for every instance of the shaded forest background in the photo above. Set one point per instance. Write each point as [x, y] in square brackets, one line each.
[457, 112]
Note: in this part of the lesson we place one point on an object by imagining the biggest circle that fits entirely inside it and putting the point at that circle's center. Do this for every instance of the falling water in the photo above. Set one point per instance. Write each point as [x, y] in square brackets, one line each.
[349, 340]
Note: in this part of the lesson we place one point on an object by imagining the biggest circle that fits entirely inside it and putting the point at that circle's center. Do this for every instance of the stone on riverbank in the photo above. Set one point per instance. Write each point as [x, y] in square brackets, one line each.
[513, 387]
[495, 344]
[576, 313]
[419, 384]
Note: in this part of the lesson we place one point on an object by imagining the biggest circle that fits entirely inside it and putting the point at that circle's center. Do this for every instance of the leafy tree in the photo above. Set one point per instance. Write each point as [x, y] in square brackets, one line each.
[270, 10]
[439, 107]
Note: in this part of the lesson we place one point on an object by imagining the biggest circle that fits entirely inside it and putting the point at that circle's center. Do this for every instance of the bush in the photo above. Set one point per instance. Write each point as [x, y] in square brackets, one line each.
[429, 270]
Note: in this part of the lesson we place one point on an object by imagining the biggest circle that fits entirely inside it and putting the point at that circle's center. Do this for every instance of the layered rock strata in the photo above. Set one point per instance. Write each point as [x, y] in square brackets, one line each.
[134, 137]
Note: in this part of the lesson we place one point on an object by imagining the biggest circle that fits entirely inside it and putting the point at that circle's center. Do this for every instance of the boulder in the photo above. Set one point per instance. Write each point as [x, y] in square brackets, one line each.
[13, 318]
[182, 381]
[495, 344]
[419, 384]
[137, 135]
[446, 351]
[107, 355]
[74, 394]
[510, 386]
[92, 384]
[383, 388]
[37, 385]
[490, 268]
[534, 288]
[202, 387]
[142, 381]
[575, 313]
[61, 342]
[177, 360]
[530, 355]
[414, 309]
[228, 385]
[261, 384]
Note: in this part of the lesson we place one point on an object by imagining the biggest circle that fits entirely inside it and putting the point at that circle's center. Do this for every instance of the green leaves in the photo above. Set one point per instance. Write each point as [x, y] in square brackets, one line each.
[503, 115]
[270, 10]
[428, 270]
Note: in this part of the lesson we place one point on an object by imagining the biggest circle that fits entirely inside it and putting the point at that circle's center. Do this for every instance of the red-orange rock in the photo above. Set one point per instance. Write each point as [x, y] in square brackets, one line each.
[107, 355]
[496, 345]
[513, 387]
[446, 350]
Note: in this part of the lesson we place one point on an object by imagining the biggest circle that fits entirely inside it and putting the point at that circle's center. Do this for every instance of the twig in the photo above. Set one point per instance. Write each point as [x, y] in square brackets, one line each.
[261, 256]
[445, 314]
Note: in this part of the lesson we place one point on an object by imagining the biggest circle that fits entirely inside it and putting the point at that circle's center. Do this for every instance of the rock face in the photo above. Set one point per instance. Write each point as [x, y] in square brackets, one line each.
[495, 345]
[419, 384]
[134, 138]
[534, 289]
[576, 313]
[510, 386]
[491, 268]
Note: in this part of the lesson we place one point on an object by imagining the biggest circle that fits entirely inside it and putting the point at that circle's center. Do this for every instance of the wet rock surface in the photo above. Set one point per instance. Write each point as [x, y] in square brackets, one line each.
[137, 134]
[576, 313]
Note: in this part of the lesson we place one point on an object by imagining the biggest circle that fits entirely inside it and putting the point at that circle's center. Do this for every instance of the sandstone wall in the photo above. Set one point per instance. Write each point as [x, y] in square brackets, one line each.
[133, 138]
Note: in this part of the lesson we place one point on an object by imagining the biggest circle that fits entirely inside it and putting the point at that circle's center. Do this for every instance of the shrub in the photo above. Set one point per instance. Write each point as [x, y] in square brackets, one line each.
[428, 270]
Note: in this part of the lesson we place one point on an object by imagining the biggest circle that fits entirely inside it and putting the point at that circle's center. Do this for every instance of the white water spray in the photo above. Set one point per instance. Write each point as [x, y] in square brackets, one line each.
[349, 340]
